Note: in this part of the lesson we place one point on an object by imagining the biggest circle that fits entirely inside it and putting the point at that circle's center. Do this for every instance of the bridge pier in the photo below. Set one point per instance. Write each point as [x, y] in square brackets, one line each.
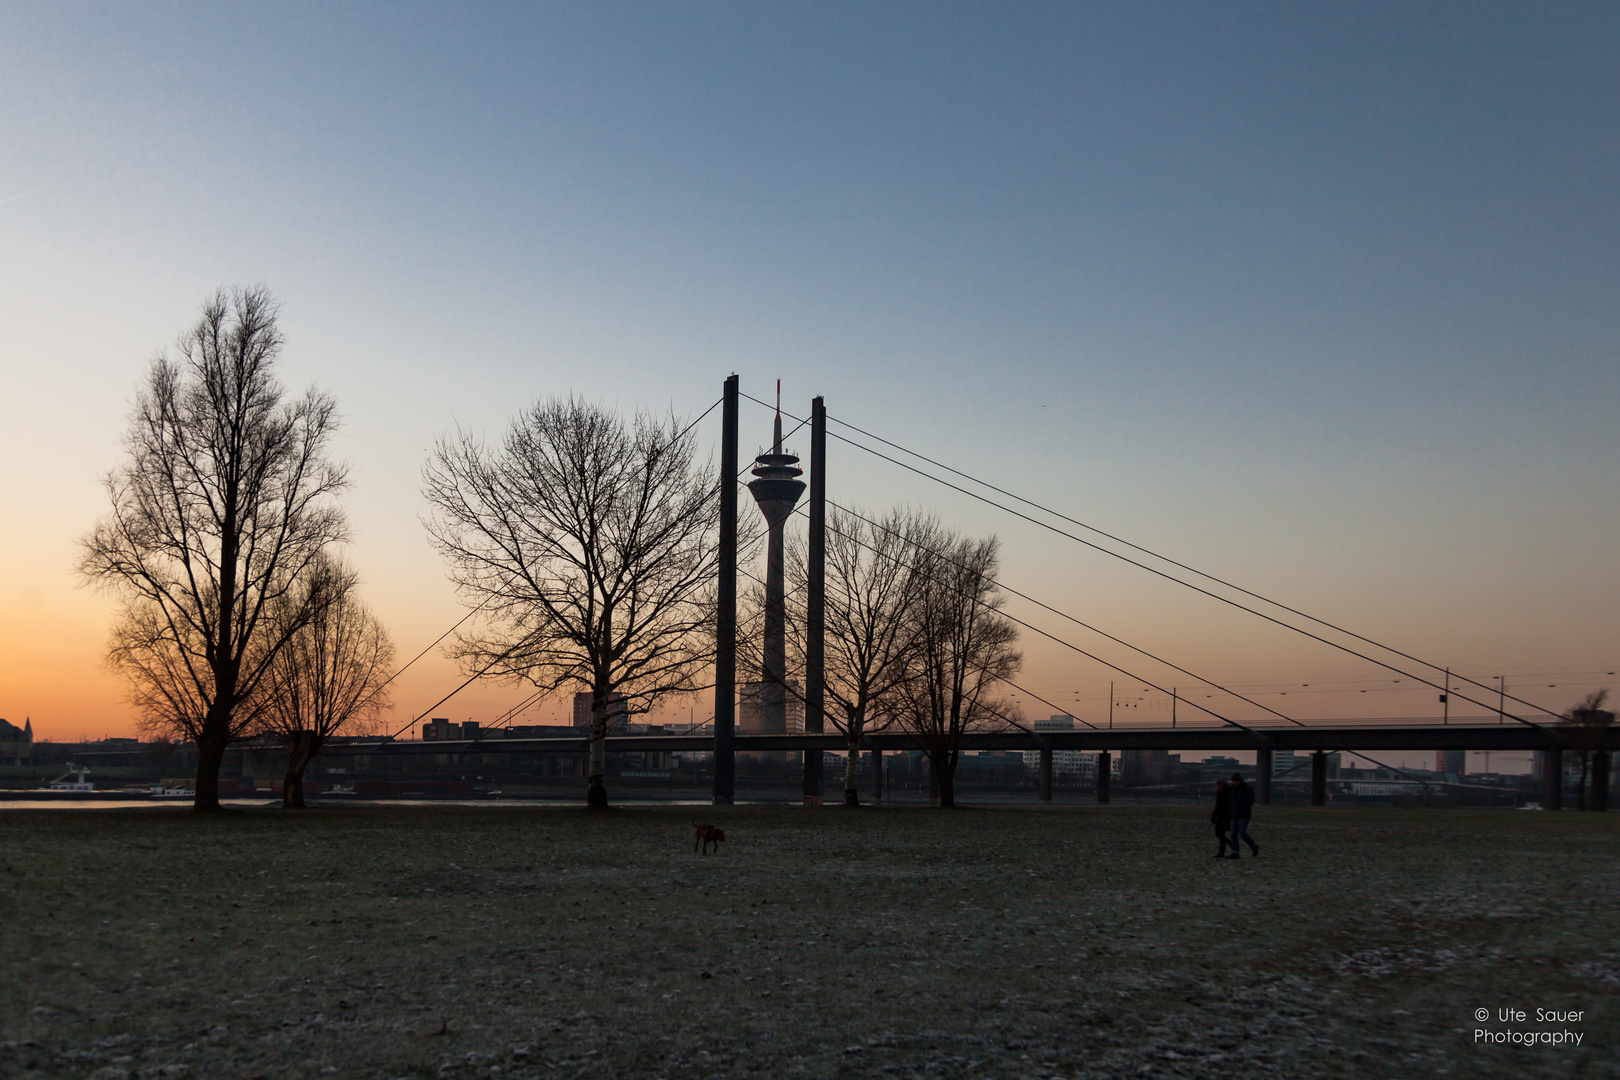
[877, 775]
[1105, 769]
[1600, 780]
[1262, 776]
[1319, 778]
[1552, 779]
[1046, 775]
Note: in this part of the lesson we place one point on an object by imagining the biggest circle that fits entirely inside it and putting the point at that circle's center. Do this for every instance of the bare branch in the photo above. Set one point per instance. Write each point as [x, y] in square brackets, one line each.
[223, 506]
[592, 546]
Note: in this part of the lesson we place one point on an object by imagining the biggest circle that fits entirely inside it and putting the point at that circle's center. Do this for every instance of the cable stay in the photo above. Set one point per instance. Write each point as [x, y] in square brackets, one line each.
[1078, 622]
[1093, 656]
[1196, 588]
[1005, 719]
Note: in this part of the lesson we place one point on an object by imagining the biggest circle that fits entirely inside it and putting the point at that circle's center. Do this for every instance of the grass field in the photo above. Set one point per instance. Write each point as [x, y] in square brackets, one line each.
[1106, 942]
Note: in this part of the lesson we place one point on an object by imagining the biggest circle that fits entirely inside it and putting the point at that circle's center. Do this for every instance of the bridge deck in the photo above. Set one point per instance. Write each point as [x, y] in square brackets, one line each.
[1472, 735]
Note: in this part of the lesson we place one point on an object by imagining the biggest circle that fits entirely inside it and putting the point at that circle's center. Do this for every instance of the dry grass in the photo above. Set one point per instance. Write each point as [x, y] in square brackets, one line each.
[908, 943]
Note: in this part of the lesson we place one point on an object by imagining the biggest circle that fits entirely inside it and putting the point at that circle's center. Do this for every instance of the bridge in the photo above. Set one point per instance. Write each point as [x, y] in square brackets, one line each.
[1317, 739]
[1514, 725]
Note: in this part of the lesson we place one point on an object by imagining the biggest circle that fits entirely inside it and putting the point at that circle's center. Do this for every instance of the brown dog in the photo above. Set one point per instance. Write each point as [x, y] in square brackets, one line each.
[707, 834]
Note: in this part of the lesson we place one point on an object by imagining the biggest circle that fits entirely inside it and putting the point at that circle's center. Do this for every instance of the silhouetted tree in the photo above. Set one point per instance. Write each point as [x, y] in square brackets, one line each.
[223, 505]
[592, 547]
[1586, 727]
[963, 649]
[872, 590]
[330, 678]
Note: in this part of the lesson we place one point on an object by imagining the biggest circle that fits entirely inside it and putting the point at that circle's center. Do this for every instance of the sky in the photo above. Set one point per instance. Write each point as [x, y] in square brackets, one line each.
[1320, 299]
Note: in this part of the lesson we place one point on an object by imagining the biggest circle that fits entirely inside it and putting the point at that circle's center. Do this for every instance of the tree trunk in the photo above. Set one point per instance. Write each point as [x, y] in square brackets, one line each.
[596, 784]
[210, 756]
[852, 787]
[946, 777]
[301, 748]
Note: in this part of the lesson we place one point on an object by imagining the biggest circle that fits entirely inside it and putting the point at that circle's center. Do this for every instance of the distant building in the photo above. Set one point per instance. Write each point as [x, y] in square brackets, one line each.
[1451, 762]
[1143, 768]
[1283, 764]
[439, 729]
[751, 710]
[541, 731]
[16, 743]
[1076, 764]
[618, 718]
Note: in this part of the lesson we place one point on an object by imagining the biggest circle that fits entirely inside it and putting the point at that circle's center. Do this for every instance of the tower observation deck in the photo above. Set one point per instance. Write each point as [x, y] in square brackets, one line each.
[776, 488]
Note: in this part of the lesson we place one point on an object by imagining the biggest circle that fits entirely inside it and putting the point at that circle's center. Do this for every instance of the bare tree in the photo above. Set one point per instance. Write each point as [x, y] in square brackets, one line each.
[963, 651]
[331, 676]
[222, 507]
[872, 590]
[1586, 727]
[592, 546]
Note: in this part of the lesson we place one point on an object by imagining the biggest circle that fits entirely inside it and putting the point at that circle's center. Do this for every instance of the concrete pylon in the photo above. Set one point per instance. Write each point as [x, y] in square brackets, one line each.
[1552, 779]
[815, 603]
[1600, 781]
[1319, 778]
[725, 663]
[1262, 776]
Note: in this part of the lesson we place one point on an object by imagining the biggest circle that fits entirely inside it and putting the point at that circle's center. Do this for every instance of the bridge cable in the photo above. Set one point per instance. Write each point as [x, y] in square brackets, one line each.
[1078, 622]
[1154, 554]
[993, 712]
[1212, 595]
[1093, 656]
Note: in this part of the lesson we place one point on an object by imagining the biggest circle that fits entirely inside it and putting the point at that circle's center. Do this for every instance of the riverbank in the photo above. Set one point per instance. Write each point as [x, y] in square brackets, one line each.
[1075, 942]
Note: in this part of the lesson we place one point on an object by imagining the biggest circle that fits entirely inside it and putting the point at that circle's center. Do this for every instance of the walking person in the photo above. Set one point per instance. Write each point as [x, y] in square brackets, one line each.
[1221, 817]
[1239, 805]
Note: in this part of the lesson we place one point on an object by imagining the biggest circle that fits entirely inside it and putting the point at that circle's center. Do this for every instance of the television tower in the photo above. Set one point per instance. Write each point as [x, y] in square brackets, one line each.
[776, 489]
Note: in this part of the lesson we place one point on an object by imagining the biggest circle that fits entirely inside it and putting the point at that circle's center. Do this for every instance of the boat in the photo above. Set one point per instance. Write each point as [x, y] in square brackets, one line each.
[178, 791]
[75, 779]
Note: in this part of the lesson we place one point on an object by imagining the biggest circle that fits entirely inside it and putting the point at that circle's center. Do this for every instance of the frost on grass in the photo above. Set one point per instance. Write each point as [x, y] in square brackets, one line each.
[417, 943]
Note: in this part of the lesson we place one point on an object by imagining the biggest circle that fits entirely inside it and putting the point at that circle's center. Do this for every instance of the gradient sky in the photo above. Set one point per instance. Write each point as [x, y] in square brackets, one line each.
[1320, 298]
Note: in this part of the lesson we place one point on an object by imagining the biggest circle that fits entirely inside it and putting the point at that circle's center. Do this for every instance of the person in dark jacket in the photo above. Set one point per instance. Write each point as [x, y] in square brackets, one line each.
[1239, 806]
[1220, 817]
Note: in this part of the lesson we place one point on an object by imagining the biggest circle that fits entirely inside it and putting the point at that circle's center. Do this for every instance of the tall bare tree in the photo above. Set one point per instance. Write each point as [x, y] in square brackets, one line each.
[963, 651]
[223, 505]
[1586, 727]
[872, 591]
[592, 546]
[330, 678]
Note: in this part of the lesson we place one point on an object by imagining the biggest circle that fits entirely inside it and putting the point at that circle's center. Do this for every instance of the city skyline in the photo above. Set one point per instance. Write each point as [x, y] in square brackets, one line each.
[1318, 302]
